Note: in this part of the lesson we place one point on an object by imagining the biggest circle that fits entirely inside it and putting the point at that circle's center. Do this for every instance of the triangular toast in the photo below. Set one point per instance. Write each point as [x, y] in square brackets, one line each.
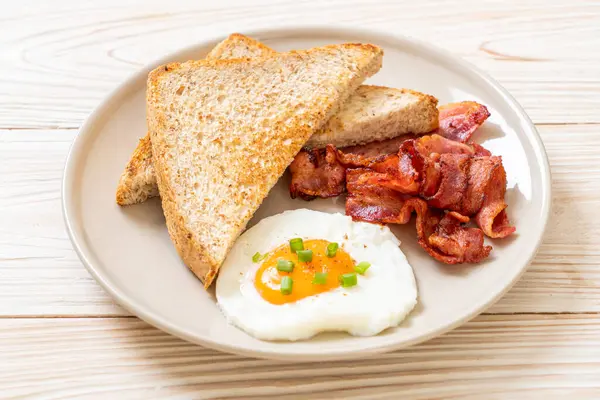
[224, 131]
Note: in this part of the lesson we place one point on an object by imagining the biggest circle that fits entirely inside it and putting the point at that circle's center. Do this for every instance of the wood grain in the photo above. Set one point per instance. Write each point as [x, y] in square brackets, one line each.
[62, 337]
[523, 356]
[60, 58]
[40, 274]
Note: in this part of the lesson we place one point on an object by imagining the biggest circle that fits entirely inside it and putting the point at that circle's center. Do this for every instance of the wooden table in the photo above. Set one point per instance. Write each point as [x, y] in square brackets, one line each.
[61, 336]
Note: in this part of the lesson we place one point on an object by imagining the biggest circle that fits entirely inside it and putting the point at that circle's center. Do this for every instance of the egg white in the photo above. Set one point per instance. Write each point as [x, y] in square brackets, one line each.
[383, 297]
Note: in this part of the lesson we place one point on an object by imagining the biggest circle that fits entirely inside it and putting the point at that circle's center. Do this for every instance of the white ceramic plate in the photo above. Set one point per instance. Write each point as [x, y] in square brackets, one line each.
[129, 252]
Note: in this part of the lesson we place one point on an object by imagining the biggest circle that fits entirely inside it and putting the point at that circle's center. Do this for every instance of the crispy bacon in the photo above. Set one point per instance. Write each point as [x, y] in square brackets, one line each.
[401, 171]
[449, 175]
[353, 160]
[481, 151]
[367, 154]
[474, 186]
[311, 167]
[431, 145]
[453, 183]
[441, 177]
[431, 177]
[453, 243]
[317, 173]
[387, 174]
[492, 217]
[481, 171]
[445, 238]
[376, 149]
[374, 203]
[458, 121]
[369, 201]
[415, 168]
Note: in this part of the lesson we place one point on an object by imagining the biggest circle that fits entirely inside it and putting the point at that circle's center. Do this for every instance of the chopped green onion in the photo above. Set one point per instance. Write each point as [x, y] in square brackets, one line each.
[296, 244]
[320, 278]
[331, 249]
[304, 255]
[285, 265]
[362, 267]
[286, 285]
[348, 280]
[258, 257]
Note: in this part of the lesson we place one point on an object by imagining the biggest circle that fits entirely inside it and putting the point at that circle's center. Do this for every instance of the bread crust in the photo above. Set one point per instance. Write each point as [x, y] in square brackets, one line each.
[138, 181]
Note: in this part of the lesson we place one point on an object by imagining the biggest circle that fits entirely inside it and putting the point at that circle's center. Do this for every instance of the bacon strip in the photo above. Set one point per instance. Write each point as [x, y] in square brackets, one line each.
[368, 201]
[445, 238]
[418, 167]
[458, 121]
[311, 167]
[449, 175]
[438, 169]
[431, 145]
[454, 170]
[481, 151]
[492, 217]
[317, 173]
[379, 148]
[481, 171]
[401, 171]
[390, 180]
[370, 153]
[454, 243]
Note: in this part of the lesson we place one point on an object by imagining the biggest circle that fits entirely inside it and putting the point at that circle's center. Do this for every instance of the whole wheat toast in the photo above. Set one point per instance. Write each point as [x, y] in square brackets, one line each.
[138, 181]
[371, 113]
[375, 113]
[224, 131]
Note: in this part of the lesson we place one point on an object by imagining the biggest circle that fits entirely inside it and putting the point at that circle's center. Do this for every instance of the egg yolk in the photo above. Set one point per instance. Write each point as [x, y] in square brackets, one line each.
[268, 277]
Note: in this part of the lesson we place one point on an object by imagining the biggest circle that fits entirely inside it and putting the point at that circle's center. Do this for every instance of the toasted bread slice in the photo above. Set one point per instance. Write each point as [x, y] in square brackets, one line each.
[371, 113]
[378, 113]
[224, 131]
[138, 182]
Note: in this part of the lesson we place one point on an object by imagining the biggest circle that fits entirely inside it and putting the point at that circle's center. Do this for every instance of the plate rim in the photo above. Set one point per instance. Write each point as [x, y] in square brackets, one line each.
[84, 132]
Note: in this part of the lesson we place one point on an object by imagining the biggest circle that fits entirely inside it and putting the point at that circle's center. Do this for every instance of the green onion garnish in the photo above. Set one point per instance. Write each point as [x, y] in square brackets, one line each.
[362, 267]
[331, 249]
[296, 244]
[258, 257]
[285, 265]
[286, 285]
[348, 280]
[304, 255]
[320, 278]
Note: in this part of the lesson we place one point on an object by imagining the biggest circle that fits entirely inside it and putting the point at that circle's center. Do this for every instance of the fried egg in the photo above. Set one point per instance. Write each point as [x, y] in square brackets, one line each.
[272, 291]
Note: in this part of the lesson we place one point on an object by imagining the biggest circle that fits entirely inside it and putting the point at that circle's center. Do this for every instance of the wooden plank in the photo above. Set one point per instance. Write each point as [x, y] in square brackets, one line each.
[41, 275]
[61, 58]
[521, 356]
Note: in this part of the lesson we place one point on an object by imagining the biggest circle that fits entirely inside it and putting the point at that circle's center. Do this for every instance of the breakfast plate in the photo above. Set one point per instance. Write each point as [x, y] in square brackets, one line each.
[128, 250]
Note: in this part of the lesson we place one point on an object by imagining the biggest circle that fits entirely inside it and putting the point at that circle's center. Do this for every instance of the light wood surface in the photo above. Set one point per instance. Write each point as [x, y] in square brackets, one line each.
[516, 357]
[61, 336]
